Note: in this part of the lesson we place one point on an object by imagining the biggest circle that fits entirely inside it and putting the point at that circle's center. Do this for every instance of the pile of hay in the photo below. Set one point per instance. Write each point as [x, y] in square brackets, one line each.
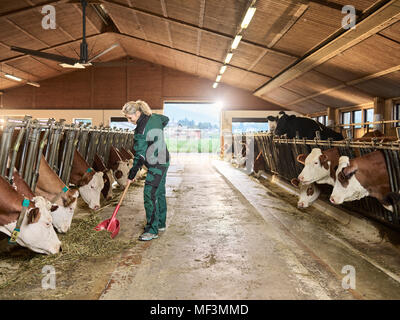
[81, 242]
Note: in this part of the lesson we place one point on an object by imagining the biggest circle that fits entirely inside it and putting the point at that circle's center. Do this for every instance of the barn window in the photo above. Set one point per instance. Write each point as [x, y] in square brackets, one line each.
[346, 119]
[322, 119]
[357, 118]
[243, 125]
[396, 114]
[369, 116]
[83, 120]
[121, 123]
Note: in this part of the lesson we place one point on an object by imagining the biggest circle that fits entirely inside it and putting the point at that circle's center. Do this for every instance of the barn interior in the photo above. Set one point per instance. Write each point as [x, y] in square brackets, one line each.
[303, 57]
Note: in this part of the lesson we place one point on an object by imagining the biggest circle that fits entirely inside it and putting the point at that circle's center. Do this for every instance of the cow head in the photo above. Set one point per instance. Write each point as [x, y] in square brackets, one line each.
[281, 124]
[347, 187]
[272, 122]
[308, 193]
[90, 192]
[62, 215]
[121, 174]
[37, 232]
[316, 166]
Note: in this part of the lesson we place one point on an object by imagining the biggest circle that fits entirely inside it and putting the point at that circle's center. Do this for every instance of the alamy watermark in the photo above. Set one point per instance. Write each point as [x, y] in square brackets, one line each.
[349, 21]
[349, 280]
[49, 279]
[49, 20]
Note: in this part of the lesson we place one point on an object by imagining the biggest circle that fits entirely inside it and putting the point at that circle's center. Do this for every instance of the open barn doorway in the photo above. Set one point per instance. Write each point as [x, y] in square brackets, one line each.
[194, 127]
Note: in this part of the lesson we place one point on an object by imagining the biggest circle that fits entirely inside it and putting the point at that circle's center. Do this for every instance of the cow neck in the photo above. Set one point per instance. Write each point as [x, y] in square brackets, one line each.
[80, 166]
[333, 157]
[372, 174]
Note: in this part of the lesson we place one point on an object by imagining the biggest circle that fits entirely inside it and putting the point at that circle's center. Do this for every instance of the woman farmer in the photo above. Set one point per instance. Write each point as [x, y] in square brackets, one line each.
[151, 151]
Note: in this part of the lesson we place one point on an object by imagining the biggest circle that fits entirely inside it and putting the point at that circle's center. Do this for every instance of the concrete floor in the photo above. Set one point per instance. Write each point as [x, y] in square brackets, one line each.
[229, 237]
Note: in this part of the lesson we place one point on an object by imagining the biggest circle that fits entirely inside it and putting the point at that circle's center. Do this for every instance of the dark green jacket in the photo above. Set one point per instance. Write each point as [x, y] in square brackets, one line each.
[150, 147]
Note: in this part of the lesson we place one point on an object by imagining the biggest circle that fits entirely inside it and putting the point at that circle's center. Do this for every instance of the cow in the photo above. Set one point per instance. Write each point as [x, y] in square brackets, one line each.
[126, 155]
[361, 177]
[319, 166]
[89, 182]
[36, 230]
[129, 157]
[305, 127]
[119, 167]
[308, 193]
[51, 187]
[108, 177]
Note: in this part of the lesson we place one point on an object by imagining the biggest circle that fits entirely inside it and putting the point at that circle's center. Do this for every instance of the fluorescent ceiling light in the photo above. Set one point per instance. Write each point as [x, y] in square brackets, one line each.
[235, 42]
[35, 84]
[228, 57]
[222, 70]
[247, 18]
[215, 85]
[218, 78]
[9, 76]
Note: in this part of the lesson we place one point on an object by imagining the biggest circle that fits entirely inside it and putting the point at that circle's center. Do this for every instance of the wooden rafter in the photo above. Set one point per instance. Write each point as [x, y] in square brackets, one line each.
[165, 14]
[30, 35]
[196, 27]
[346, 84]
[371, 25]
[191, 54]
[79, 9]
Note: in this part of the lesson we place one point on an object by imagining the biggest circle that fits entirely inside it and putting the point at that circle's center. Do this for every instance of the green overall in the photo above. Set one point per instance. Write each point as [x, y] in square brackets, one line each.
[151, 151]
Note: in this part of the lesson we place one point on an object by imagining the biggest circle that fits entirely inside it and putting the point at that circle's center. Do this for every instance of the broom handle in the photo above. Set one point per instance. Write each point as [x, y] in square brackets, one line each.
[120, 200]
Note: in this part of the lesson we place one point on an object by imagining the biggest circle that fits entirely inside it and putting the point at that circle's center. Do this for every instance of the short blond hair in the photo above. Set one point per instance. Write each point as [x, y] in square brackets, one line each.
[132, 106]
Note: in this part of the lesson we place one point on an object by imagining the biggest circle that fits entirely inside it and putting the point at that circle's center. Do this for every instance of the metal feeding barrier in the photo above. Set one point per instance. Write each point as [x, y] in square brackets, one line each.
[25, 140]
[280, 155]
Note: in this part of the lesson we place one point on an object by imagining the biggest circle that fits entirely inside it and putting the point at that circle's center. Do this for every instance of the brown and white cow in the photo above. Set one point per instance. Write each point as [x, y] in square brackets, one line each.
[319, 166]
[52, 188]
[36, 231]
[119, 167]
[308, 193]
[361, 177]
[108, 178]
[89, 182]
[128, 155]
[259, 165]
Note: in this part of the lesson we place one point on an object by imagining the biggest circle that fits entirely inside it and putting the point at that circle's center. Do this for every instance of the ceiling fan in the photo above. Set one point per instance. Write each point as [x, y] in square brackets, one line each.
[67, 62]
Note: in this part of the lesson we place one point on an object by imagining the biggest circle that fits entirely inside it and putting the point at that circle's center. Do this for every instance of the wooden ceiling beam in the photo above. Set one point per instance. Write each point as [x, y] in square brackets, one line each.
[348, 83]
[377, 21]
[195, 27]
[165, 14]
[22, 71]
[79, 9]
[44, 64]
[27, 9]
[192, 54]
[30, 35]
[332, 5]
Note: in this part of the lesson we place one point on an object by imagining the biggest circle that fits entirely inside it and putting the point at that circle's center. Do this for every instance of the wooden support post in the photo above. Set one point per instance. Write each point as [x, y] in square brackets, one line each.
[379, 113]
[331, 117]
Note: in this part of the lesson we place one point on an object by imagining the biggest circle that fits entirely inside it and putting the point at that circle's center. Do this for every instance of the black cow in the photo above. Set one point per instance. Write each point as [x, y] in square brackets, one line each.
[306, 127]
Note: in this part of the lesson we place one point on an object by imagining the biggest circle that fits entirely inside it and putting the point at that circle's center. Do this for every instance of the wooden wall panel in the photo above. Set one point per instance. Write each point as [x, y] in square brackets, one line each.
[128, 79]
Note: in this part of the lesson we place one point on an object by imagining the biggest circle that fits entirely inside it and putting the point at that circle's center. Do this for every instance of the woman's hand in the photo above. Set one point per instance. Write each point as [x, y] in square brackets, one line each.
[129, 182]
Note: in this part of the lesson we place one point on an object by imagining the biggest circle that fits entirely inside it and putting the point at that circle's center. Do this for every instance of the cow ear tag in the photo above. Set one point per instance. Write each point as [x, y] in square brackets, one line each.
[89, 170]
[17, 230]
[65, 189]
